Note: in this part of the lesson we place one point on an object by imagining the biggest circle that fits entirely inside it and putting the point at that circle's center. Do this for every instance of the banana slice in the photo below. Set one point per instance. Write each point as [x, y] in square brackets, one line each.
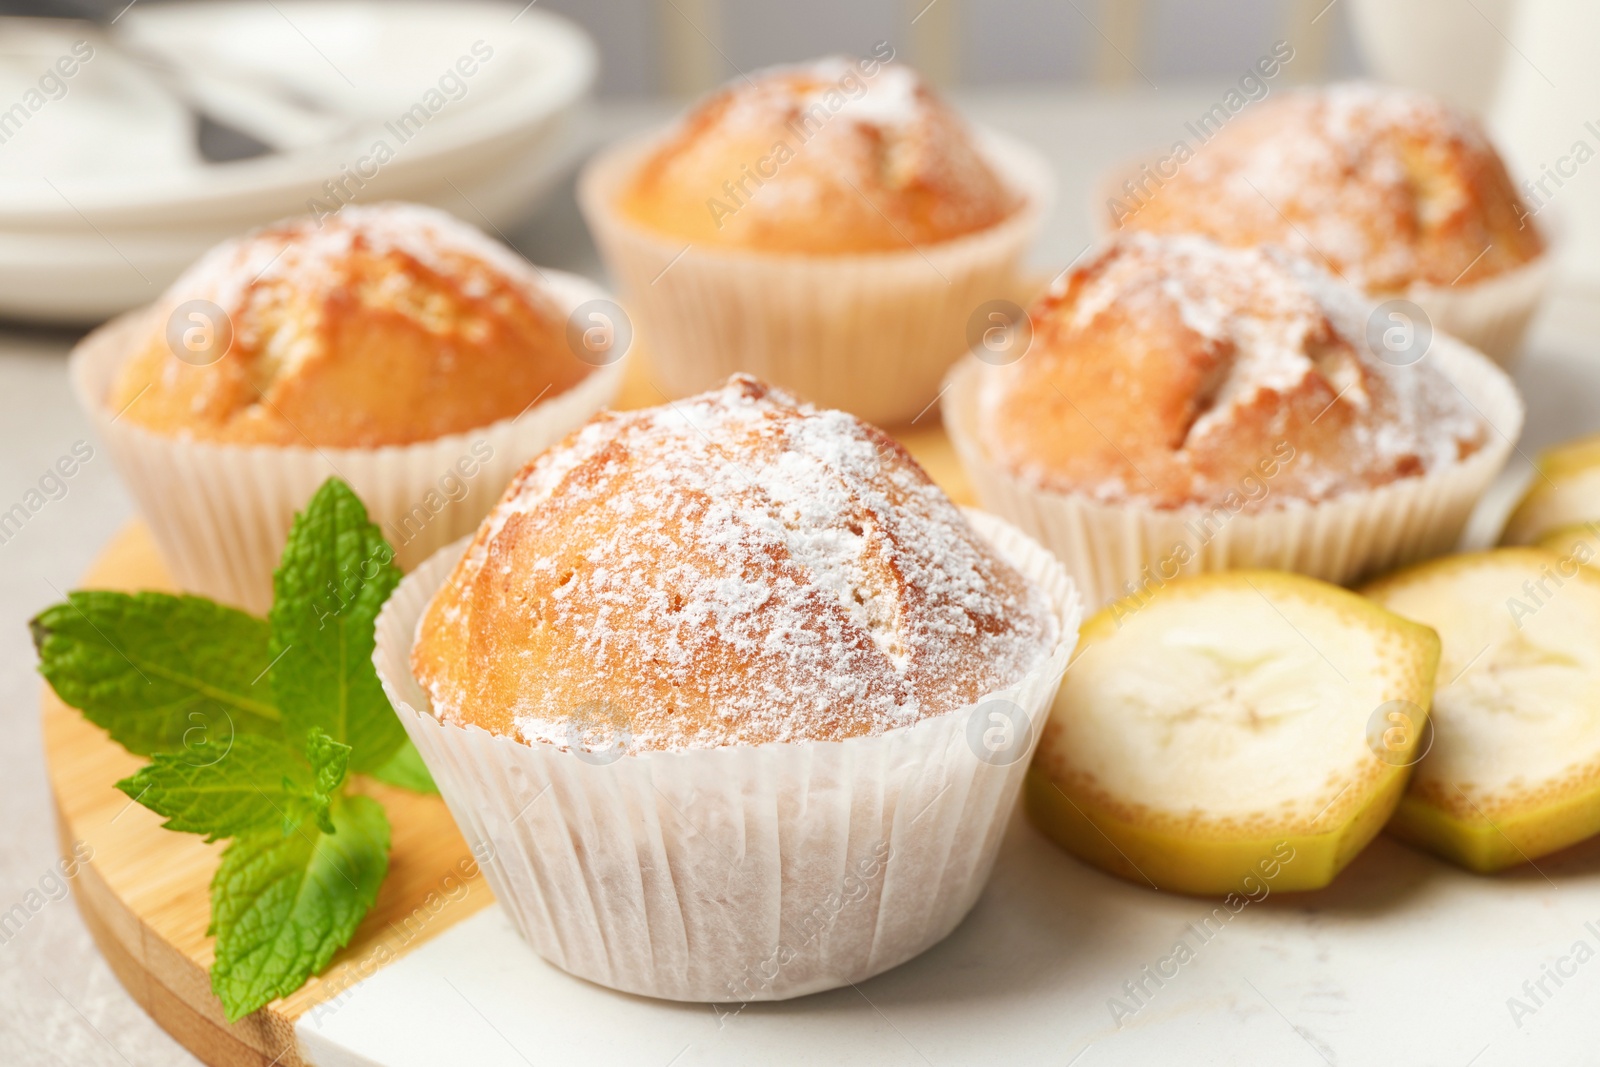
[1514, 771]
[1232, 731]
[1580, 541]
[1565, 490]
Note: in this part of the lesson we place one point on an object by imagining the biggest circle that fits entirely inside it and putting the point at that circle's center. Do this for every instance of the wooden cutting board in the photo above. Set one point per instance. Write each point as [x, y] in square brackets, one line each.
[143, 891]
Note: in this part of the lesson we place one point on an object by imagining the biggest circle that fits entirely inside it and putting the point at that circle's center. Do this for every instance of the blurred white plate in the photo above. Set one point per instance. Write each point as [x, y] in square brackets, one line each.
[90, 242]
[64, 114]
[83, 277]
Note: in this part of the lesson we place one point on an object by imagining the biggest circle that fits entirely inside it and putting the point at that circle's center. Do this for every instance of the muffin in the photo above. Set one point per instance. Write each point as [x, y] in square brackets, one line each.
[1186, 406]
[381, 325]
[759, 659]
[891, 167]
[1395, 191]
[391, 345]
[830, 227]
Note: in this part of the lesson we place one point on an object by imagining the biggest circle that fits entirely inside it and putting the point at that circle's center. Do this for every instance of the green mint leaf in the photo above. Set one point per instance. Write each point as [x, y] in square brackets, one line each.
[406, 770]
[255, 782]
[335, 573]
[329, 761]
[283, 904]
[159, 672]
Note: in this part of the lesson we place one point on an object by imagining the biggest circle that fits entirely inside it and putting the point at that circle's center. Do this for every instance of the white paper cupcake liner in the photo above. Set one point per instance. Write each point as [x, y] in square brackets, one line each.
[1492, 315]
[742, 873]
[221, 513]
[872, 334]
[1113, 550]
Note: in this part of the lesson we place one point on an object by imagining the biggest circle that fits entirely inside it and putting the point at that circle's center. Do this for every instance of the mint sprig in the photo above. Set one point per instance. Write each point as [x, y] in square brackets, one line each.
[256, 782]
[282, 903]
[335, 573]
[160, 673]
[252, 726]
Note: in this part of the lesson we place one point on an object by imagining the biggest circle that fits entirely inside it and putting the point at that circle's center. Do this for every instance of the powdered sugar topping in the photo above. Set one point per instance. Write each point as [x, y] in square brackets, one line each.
[1274, 344]
[1356, 175]
[749, 569]
[310, 254]
[880, 94]
[1266, 306]
[272, 283]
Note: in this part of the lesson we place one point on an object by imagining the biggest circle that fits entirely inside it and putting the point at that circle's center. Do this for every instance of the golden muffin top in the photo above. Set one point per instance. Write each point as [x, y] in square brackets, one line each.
[1386, 187]
[830, 157]
[1175, 371]
[382, 325]
[730, 569]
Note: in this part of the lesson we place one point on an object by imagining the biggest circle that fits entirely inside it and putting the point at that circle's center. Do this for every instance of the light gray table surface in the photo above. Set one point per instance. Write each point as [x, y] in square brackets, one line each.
[62, 1004]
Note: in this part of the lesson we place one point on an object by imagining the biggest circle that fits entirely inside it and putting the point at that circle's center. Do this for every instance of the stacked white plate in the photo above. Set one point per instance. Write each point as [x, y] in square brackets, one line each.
[104, 197]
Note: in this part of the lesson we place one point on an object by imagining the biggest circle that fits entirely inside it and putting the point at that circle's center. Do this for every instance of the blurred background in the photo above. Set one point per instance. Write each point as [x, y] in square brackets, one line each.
[650, 47]
[657, 46]
[134, 135]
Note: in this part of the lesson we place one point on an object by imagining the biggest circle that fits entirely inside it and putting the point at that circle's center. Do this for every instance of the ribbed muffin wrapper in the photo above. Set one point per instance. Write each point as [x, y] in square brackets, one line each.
[1113, 550]
[741, 873]
[1492, 315]
[221, 513]
[870, 333]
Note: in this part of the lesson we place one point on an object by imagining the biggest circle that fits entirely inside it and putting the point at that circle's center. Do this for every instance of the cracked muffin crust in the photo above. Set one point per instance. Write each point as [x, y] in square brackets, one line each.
[386, 324]
[734, 568]
[1385, 187]
[1168, 370]
[829, 157]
